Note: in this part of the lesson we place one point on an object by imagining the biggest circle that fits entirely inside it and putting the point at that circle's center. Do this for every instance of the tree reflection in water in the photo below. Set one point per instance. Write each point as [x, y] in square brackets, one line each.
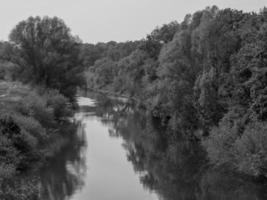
[64, 176]
[59, 180]
[173, 167]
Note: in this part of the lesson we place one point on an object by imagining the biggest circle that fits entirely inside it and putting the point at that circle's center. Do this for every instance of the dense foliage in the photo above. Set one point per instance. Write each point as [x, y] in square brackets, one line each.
[28, 125]
[205, 78]
[173, 168]
[46, 54]
[40, 70]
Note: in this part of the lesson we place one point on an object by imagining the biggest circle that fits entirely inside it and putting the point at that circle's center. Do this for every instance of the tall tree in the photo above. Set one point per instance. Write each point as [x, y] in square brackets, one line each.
[48, 54]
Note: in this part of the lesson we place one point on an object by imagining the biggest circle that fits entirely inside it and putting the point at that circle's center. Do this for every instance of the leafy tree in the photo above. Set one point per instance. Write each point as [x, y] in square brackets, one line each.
[166, 32]
[104, 72]
[205, 78]
[48, 54]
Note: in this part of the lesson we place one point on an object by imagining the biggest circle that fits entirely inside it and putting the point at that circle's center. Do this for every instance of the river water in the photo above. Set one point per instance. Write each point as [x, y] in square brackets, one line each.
[109, 175]
[119, 153]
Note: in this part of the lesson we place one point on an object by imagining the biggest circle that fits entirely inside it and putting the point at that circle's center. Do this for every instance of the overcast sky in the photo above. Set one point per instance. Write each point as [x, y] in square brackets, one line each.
[104, 20]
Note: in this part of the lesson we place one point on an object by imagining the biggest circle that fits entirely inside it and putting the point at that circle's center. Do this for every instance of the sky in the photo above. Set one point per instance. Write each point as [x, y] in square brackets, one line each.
[117, 20]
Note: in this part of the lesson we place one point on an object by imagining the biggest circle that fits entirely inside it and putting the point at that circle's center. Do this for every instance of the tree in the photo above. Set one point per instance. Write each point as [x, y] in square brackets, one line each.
[104, 72]
[166, 32]
[47, 54]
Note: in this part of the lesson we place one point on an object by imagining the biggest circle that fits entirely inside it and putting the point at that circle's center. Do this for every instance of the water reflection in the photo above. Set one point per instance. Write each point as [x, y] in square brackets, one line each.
[59, 179]
[171, 166]
[65, 172]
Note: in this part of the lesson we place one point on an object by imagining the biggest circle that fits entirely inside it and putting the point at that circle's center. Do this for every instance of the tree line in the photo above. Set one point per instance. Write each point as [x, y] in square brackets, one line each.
[204, 78]
[173, 168]
[40, 71]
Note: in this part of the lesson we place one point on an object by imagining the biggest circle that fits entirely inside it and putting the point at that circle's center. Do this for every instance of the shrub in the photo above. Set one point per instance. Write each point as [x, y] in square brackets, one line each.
[30, 126]
[8, 157]
[35, 106]
[60, 104]
[250, 150]
[245, 152]
[18, 188]
[219, 143]
[29, 121]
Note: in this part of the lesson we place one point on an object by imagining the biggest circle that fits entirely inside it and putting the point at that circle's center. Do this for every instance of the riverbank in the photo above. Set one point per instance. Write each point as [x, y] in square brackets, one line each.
[140, 153]
[110, 94]
[31, 124]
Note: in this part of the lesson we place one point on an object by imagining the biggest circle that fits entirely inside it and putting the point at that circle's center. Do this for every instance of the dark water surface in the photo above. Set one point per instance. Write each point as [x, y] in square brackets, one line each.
[119, 153]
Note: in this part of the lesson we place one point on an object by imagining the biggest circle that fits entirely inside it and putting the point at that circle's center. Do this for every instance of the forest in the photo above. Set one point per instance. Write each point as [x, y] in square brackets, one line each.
[203, 79]
[40, 72]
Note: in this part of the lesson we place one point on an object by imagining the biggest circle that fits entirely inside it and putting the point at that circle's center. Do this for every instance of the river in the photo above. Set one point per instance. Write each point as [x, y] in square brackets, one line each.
[109, 175]
[119, 153]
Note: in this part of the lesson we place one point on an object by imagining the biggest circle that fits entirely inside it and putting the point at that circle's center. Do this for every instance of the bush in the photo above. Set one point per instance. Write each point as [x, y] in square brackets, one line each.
[60, 104]
[29, 121]
[8, 157]
[35, 106]
[18, 188]
[219, 143]
[30, 126]
[246, 152]
[250, 150]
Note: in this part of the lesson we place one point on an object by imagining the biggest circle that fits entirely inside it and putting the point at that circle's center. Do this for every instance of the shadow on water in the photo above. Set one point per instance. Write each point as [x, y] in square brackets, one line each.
[174, 168]
[64, 175]
[59, 179]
